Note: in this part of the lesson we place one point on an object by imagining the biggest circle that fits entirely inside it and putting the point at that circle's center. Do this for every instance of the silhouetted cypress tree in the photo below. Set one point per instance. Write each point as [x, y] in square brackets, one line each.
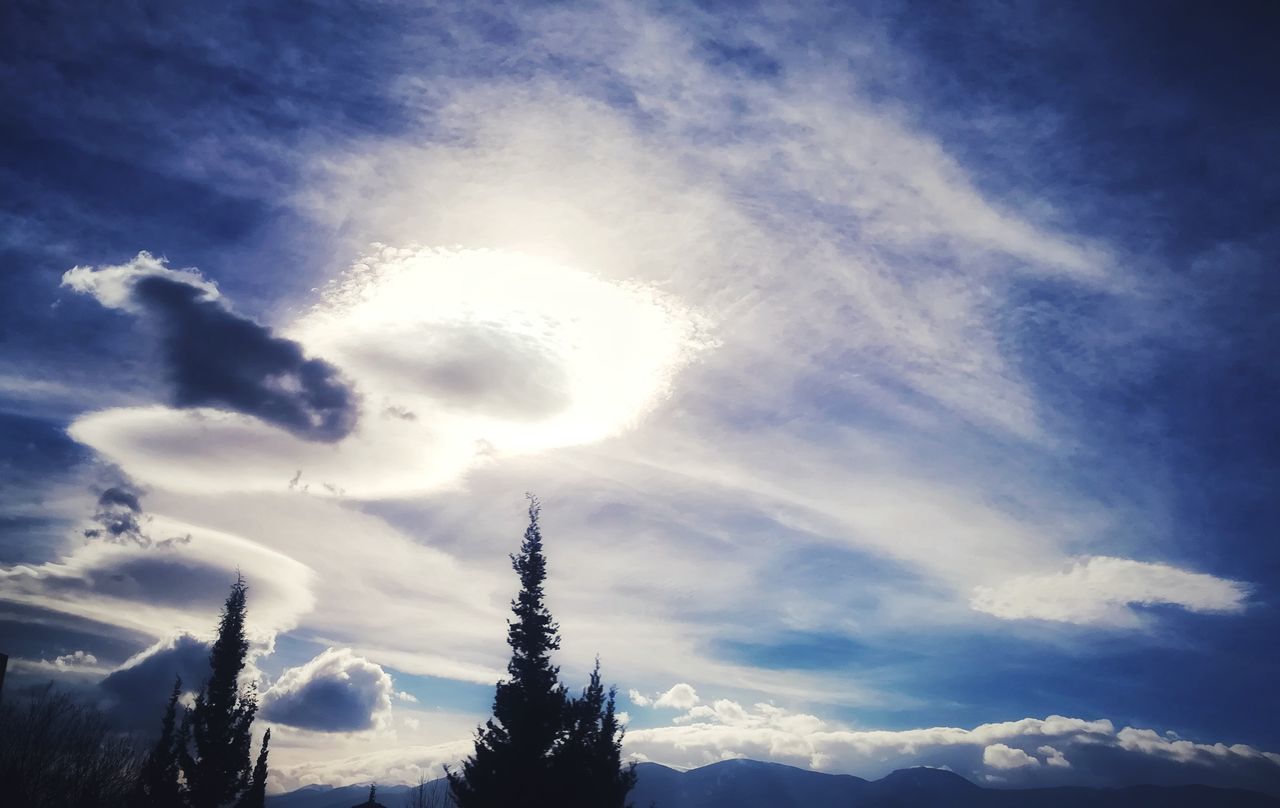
[256, 795]
[511, 765]
[158, 785]
[588, 761]
[219, 723]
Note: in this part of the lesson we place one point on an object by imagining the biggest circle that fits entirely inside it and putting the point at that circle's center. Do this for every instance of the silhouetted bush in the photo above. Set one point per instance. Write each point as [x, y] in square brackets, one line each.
[57, 751]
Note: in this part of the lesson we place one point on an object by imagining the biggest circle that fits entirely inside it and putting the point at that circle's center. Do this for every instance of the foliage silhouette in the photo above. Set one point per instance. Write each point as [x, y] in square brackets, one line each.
[256, 795]
[158, 781]
[428, 794]
[55, 751]
[372, 802]
[218, 771]
[541, 747]
[588, 762]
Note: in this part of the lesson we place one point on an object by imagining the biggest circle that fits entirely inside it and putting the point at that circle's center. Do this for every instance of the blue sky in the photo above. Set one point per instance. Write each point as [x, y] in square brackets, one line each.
[883, 368]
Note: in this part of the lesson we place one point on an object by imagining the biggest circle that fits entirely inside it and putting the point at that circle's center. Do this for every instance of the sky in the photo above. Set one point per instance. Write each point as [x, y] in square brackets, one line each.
[897, 378]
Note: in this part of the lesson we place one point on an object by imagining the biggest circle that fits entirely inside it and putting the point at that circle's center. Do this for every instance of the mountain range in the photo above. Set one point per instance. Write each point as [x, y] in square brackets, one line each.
[754, 784]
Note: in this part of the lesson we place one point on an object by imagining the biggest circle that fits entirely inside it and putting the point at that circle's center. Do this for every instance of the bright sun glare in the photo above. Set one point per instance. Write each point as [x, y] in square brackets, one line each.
[462, 353]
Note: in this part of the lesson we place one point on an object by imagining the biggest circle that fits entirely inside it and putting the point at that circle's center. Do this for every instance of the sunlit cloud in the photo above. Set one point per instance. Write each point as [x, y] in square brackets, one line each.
[1104, 590]
[169, 588]
[459, 357]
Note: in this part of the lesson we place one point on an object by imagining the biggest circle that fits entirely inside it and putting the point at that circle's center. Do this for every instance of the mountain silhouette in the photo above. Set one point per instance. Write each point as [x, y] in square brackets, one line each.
[756, 784]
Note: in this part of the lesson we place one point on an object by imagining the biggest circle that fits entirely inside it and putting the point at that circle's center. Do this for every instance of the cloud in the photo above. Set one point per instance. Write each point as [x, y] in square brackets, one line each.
[75, 660]
[167, 587]
[217, 358]
[337, 691]
[77, 664]
[462, 356]
[137, 690]
[680, 697]
[403, 765]
[119, 518]
[1101, 589]
[999, 756]
[1052, 757]
[864, 290]
[1180, 750]
[408, 697]
[1099, 754]
[116, 286]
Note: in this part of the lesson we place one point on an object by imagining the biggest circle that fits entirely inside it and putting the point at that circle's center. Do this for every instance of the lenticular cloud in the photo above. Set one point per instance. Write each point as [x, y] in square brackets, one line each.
[457, 356]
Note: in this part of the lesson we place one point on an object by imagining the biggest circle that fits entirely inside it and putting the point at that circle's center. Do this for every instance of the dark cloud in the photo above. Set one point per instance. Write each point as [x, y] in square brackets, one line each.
[335, 692]
[155, 577]
[134, 696]
[31, 632]
[216, 358]
[121, 496]
[120, 518]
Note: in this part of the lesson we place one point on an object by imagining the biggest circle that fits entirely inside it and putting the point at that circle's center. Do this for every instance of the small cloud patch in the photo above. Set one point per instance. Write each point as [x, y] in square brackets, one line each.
[1101, 589]
[337, 691]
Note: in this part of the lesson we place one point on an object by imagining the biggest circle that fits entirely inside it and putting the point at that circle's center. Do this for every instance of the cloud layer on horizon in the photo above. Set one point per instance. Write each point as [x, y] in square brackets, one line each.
[1030, 752]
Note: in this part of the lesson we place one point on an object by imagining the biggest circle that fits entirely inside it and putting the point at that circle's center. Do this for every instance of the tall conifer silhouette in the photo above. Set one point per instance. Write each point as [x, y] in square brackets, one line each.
[219, 723]
[511, 764]
[158, 785]
[256, 795]
[588, 761]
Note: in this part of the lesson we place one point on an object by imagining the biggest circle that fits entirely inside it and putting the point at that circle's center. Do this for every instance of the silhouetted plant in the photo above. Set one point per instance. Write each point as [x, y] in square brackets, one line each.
[215, 763]
[158, 785]
[540, 747]
[55, 751]
[256, 795]
[511, 761]
[428, 794]
[588, 760]
[372, 802]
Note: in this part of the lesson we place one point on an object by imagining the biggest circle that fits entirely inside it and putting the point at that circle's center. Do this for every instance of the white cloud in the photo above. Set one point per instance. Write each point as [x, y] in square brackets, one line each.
[112, 286]
[1150, 742]
[409, 697]
[639, 699]
[1052, 757]
[337, 691]
[767, 732]
[459, 357]
[387, 766]
[999, 756]
[170, 588]
[680, 697]
[75, 660]
[1102, 590]
[727, 730]
[72, 665]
